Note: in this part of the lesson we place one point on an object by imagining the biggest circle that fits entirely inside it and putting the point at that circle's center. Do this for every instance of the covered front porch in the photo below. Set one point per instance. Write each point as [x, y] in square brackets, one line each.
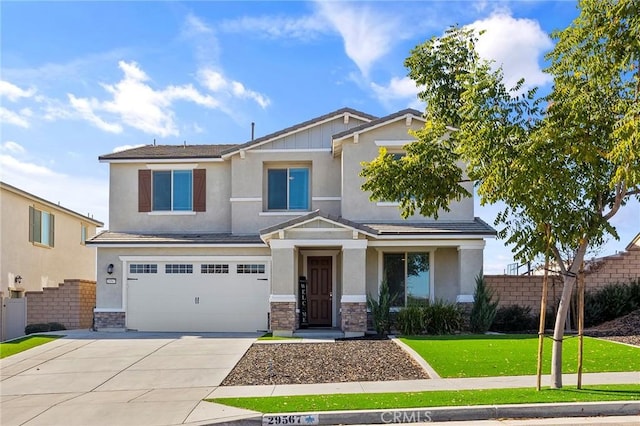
[324, 267]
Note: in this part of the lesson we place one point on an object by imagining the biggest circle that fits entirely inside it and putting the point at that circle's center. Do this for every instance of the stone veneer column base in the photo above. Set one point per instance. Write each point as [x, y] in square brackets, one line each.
[110, 321]
[354, 318]
[283, 318]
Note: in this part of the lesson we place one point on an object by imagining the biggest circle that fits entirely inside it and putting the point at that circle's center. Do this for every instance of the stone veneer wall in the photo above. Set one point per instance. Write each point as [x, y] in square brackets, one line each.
[354, 317]
[110, 320]
[71, 304]
[283, 316]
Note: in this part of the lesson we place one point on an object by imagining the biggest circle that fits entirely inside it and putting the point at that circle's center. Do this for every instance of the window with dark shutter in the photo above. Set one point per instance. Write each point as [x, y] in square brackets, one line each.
[144, 190]
[199, 190]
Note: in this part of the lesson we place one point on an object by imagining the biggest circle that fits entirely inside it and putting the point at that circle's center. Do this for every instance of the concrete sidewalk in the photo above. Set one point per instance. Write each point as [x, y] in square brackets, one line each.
[421, 385]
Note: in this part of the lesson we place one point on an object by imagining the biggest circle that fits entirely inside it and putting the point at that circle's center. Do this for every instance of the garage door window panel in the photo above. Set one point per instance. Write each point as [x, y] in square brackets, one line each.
[178, 269]
[244, 268]
[143, 268]
[214, 268]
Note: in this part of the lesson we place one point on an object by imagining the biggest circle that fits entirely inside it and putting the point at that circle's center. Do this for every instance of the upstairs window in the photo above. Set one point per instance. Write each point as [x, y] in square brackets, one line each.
[83, 233]
[41, 227]
[172, 190]
[288, 189]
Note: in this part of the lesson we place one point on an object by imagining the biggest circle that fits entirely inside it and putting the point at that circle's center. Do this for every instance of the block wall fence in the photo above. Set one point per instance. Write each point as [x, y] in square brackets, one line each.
[71, 304]
[526, 290]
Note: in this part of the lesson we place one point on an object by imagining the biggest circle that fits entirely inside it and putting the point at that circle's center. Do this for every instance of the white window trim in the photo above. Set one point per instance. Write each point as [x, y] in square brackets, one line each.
[172, 211]
[288, 169]
[394, 143]
[172, 166]
[245, 199]
[284, 213]
[326, 198]
[387, 204]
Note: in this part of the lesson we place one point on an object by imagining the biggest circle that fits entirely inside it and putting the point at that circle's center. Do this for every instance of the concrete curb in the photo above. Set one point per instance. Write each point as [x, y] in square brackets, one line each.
[444, 414]
[416, 357]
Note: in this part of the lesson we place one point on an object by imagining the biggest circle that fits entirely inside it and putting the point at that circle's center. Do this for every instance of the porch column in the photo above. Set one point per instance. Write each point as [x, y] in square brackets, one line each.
[469, 267]
[283, 299]
[353, 303]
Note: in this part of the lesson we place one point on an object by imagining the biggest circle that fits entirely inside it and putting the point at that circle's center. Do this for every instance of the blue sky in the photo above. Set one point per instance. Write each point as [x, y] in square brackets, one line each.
[81, 79]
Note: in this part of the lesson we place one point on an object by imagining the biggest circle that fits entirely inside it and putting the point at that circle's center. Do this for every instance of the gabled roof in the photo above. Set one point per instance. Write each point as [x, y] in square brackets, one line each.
[264, 139]
[377, 122]
[407, 114]
[417, 230]
[217, 151]
[50, 204]
[168, 152]
[314, 215]
[634, 244]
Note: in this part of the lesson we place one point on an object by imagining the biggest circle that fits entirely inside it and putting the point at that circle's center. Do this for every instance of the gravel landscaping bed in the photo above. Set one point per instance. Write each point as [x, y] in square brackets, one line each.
[625, 329]
[341, 361]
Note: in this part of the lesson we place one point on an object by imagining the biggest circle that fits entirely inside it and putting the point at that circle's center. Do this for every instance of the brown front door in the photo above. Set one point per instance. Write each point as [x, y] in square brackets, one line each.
[319, 291]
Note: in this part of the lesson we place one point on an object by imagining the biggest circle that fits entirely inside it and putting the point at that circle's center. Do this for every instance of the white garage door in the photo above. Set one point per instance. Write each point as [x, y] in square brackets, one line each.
[197, 296]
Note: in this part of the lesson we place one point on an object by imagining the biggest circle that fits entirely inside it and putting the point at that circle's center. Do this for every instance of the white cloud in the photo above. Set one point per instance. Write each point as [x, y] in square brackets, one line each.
[15, 118]
[83, 194]
[217, 83]
[135, 103]
[302, 28]
[13, 92]
[367, 34]
[203, 38]
[84, 109]
[517, 45]
[12, 147]
[397, 88]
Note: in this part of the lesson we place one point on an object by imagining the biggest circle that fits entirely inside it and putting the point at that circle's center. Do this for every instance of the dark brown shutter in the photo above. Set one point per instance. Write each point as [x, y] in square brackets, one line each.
[32, 214]
[144, 190]
[52, 227]
[199, 190]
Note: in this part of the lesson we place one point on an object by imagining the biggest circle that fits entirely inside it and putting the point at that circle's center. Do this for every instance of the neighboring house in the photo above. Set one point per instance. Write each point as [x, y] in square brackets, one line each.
[42, 243]
[274, 233]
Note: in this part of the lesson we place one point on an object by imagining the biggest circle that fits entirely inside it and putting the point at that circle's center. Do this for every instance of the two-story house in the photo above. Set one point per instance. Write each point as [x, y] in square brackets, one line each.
[275, 233]
[41, 243]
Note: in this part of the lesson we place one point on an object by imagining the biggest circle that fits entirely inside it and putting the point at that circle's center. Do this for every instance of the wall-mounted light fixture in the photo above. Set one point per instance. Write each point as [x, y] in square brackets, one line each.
[17, 279]
[110, 268]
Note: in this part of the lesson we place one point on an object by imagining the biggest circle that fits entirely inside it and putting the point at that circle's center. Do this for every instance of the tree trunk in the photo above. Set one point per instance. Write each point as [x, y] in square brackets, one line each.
[558, 332]
[569, 279]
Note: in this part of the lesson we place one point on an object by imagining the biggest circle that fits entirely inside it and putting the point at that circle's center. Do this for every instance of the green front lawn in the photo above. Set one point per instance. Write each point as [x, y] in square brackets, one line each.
[270, 336]
[16, 346]
[373, 401]
[516, 355]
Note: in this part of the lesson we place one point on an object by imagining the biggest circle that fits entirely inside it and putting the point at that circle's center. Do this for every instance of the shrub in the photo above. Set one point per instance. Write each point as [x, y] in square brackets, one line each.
[56, 326]
[43, 327]
[610, 302]
[381, 309]
[513, 318]
[442, 318]
[484, 307]
[410, 320]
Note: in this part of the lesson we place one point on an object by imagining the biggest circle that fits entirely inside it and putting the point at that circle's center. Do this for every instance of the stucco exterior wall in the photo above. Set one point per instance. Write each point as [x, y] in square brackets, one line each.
[446, 285]
[38, 265]
[123, 202]
[249, 192]
[109, 296]
[355, 202]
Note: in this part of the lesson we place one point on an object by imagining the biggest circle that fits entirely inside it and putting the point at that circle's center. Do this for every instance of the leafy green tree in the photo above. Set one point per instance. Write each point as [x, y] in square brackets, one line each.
[563, 164]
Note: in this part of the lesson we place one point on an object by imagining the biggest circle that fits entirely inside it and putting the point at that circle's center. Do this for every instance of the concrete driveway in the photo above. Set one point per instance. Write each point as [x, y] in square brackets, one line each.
[93, 378]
